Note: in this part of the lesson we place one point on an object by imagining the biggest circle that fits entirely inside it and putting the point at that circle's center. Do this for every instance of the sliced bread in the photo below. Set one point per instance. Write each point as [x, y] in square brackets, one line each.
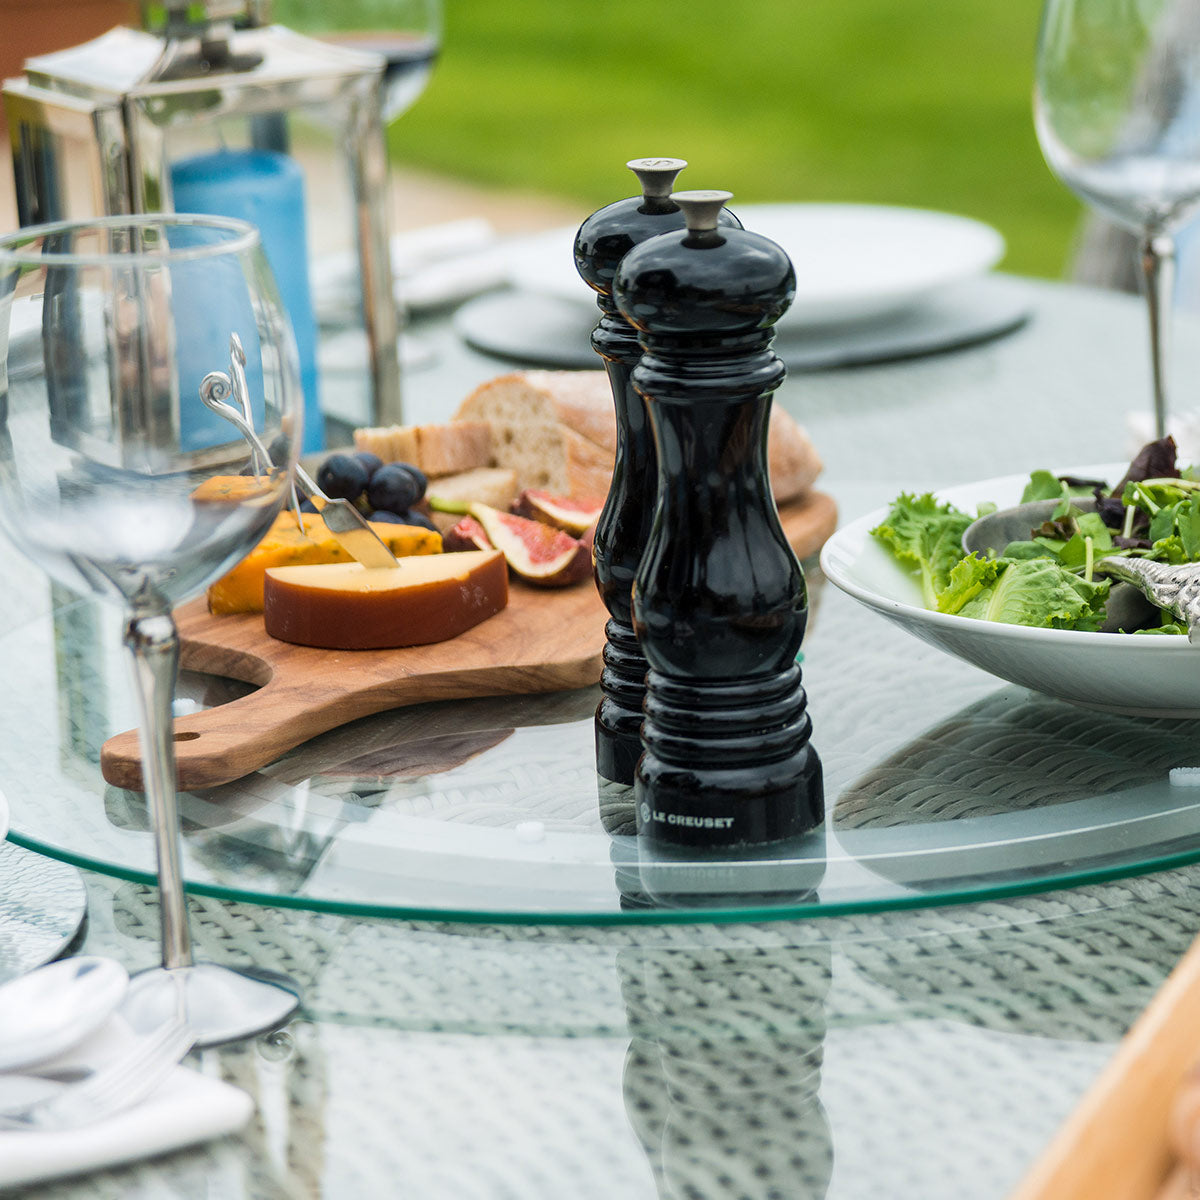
[436, 449]
[558, 431]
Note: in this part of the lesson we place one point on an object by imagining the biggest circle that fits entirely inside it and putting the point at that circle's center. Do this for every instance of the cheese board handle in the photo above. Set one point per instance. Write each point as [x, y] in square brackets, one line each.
[217, 745]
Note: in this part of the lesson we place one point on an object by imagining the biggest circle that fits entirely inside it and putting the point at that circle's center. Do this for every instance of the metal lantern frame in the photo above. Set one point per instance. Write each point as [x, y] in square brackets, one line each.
[90, 129]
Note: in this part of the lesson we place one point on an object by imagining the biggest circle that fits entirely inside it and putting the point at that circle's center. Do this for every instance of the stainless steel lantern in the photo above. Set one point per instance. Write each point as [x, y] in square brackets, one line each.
[214, 112]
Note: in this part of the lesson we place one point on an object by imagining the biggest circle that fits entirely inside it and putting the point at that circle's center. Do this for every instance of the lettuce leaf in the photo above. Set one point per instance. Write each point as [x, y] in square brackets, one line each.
[926, 537]
[1028, 591]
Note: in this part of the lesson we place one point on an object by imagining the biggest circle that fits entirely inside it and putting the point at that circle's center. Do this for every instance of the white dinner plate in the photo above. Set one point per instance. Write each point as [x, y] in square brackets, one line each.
[1143, 676]
[854, 262]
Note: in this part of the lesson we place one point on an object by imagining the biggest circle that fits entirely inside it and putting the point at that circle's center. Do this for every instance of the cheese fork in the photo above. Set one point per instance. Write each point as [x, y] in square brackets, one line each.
[118, 1085]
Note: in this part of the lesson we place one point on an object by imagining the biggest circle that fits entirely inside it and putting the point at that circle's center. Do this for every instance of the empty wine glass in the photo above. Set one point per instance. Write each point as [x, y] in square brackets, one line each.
[118, 481]
[407, 33]
[1117, 112]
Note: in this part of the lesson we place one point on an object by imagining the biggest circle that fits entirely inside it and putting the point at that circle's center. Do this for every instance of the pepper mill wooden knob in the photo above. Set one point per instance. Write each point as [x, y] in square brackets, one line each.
[624, 525]
[719, 601]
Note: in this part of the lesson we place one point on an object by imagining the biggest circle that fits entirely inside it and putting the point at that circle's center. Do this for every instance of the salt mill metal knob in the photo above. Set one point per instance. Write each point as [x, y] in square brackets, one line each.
[719, 601]
[621, 532]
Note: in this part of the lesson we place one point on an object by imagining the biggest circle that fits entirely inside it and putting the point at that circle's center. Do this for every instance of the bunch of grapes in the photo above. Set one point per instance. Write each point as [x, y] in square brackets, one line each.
[391, 492]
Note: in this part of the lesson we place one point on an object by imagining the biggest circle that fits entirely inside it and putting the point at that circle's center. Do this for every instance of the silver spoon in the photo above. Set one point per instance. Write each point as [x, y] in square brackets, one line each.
[54, 1008]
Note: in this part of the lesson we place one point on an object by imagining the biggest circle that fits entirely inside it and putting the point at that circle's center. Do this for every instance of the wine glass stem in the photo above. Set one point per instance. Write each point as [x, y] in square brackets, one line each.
[1156, 252]
[153, 646]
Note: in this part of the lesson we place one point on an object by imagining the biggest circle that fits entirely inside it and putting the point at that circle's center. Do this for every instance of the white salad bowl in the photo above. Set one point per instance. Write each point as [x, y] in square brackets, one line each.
[1151, 676]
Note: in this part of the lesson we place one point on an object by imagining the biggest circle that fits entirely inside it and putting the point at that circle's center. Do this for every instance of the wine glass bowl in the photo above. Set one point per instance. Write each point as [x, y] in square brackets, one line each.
[406, 33]
[1117, 114]
[119, 481]
[107, 443]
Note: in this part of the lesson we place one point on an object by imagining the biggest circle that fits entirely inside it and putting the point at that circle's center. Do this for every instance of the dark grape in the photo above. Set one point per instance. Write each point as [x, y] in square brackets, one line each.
[388, 518]
[278, 450]
[393, 487]
[342, 477]
[371, 462]
[419, 476]
[413, 517]
[307, 506]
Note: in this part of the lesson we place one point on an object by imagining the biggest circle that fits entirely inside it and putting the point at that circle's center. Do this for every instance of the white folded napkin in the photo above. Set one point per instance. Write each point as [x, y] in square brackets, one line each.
[187, 1108]
[432, 267]
[443, 283]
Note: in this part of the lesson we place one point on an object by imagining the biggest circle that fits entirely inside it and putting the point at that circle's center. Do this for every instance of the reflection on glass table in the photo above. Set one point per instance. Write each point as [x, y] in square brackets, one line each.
[490, 808]
[904, 1054]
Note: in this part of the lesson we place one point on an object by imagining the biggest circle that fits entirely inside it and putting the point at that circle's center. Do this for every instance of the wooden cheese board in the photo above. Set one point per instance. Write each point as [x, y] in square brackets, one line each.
[545, 640]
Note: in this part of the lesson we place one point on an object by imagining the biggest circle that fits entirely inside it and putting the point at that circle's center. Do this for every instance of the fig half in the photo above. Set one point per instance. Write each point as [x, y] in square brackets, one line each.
[466, 534]
[563, 512]
[536, 552]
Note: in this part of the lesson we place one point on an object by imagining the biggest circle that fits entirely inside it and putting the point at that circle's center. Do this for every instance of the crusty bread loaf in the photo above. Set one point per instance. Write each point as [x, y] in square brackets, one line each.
[792, 460]
[529, 422]
[436, 449]
[558, 431]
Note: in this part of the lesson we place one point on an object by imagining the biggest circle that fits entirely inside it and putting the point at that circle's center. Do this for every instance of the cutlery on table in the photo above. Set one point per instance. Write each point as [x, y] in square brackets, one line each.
[54, 1008]
[117, 1085]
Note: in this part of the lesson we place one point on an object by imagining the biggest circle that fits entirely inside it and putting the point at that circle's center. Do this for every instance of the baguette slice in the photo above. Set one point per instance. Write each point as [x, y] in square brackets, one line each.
[346, 606]
[558, 431]
[436, 449]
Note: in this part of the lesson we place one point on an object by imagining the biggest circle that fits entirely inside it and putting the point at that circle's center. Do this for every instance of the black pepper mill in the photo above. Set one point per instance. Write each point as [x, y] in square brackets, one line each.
[719, 602]
[624, 525]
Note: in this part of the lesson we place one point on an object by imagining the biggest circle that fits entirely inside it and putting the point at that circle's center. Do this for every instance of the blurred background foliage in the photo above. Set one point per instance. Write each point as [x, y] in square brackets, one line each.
[912, 102]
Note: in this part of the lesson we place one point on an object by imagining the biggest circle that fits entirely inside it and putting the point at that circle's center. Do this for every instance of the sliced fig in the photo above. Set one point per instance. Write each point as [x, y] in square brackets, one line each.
[466, 534]
[536, 552]
[563, 512]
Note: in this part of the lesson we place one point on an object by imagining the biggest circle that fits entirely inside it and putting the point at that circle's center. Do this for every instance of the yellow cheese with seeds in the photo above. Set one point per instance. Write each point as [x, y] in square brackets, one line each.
[241, 590]
[236, 489]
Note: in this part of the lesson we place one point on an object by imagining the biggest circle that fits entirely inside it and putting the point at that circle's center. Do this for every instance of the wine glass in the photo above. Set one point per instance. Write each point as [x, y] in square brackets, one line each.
[407, 33]
[119, 481]
[1117, 112]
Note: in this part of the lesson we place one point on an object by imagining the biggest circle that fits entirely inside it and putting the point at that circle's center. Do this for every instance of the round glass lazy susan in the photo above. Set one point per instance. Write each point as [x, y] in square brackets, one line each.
[942, 786]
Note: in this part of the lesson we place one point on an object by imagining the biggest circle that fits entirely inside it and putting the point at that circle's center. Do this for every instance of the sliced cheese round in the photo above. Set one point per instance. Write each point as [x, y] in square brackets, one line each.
[346, 606]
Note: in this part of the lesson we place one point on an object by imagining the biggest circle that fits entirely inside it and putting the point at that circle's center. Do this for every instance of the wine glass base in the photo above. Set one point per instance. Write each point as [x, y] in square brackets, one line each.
[221, 1004]
[43, 905]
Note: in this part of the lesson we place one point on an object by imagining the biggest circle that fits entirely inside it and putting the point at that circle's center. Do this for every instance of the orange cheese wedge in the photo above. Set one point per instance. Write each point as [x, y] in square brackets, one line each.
[241, 589]
[346, 606]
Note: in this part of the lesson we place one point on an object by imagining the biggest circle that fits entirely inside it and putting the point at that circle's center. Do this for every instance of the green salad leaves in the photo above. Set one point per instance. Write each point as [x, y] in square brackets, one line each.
[1025, 589]
[1049, 579]
[1029, 591]
[926, 536]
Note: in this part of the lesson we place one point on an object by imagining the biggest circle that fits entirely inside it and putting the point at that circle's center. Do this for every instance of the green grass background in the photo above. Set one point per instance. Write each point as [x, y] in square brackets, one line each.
[914, 102]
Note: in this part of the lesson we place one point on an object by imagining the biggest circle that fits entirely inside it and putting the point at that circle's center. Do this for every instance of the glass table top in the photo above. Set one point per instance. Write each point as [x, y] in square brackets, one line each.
[941, 786]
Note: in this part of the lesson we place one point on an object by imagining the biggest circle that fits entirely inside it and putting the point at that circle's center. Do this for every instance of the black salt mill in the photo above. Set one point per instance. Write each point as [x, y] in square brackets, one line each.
[719, 601]
[624, 525]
